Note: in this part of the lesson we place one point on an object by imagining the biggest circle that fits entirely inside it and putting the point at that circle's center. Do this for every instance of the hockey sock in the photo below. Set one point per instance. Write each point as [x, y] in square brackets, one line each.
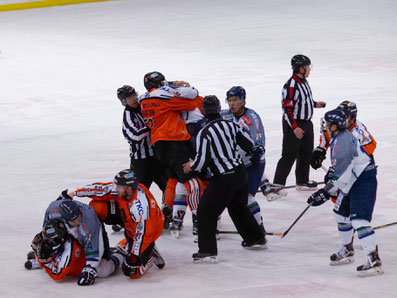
[365, 234]
[254, 208]
[180, 200]
[194, 188]
[169, 193]
[345, 229]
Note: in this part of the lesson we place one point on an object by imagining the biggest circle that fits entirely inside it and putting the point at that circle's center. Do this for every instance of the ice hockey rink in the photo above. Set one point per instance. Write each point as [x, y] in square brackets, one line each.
[60, 127]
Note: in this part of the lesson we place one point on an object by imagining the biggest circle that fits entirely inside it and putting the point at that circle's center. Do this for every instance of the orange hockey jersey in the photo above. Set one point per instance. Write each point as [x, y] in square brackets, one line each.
[161, 109]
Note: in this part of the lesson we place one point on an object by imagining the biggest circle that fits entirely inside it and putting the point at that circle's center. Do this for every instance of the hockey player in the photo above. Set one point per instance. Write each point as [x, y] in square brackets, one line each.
[143, 222]
[60, 255]
[353, 176]
[254, 162]
[161, 107]
[228, 188]
[353, 125]
[84, 226]
[143, 162]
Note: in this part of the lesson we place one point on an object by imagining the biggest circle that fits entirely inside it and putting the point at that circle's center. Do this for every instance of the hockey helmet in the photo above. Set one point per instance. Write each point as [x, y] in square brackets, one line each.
[336, 116]
[299, 61]
[153, 80]
[236, 91]
[126, 178]
[69, 210]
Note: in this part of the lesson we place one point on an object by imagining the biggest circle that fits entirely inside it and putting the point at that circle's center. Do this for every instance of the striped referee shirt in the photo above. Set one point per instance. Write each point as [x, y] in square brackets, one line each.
[136, 133]
[297, 101]
[217, 147]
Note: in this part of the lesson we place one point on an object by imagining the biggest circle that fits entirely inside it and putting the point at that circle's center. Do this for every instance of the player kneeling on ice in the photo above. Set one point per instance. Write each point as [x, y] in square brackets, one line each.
[352, 178]
[228, 188]
[143, 224]
[73, 242]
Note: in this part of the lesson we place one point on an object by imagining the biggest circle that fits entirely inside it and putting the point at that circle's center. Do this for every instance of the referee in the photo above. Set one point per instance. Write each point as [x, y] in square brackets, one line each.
[217, 150]
[147, 168]
[298, 137]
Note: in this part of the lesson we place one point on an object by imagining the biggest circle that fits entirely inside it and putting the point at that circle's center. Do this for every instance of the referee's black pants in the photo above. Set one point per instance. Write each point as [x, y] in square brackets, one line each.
[226, 191]
[295, 149]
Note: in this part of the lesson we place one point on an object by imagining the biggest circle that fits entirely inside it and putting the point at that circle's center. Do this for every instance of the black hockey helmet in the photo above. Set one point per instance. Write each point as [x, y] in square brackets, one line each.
[153, 80]
[56, 232]
[336, 116]
[236, 91]
[299, 61]
[211, 105]
[55, 229]
[349, 108]
[126, 178]
[69, 210]
[125, 92]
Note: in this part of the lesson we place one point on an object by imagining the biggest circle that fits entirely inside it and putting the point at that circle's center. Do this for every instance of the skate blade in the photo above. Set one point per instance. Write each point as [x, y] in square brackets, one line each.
[370, 272]
[275, 196]
[211, 260]
[344, 261]
[305, 188]
[256, 247]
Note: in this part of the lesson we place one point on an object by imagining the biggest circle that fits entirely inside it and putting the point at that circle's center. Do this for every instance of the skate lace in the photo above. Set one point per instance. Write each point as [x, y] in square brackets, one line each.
[343, 252]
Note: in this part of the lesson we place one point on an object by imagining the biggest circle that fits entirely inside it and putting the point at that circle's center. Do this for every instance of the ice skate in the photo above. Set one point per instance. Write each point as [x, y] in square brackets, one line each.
[259, 245]
[309, 186]
[273, 191]
[176, 227]
[344, 256]
[158, 259]
[204, 257]
[372, 267]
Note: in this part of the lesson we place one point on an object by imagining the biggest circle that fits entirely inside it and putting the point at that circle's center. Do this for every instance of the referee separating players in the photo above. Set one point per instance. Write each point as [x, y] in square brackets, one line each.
[217, 151]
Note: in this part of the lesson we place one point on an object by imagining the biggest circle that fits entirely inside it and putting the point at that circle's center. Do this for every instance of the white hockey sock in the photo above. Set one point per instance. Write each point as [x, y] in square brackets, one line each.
[365, 234]
[345, 229]
[253, 206]
[180, 204]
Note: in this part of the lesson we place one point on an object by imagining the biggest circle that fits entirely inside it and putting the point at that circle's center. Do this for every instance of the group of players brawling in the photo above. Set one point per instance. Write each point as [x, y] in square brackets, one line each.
[209, 160]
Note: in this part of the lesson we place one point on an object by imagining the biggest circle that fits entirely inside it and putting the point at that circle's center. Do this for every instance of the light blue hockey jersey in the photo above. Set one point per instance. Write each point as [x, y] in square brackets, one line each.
[251, 122]
[349, 160]
[88, 233]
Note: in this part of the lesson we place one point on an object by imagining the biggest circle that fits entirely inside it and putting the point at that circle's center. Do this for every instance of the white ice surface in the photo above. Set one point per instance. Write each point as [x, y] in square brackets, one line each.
[60, 127]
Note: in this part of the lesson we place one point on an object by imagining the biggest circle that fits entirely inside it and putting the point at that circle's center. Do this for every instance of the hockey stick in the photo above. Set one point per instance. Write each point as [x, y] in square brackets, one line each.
[235, 232]
[296, 220]
[384, 226]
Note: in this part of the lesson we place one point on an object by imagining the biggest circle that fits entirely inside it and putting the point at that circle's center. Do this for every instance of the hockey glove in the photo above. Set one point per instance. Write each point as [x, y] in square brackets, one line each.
[87, 276]
[130, 267]
[64, 196]
[256, 152]
[329, 175]
[317, 157]
[36, 241]
[318, 198]
[45, 251]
